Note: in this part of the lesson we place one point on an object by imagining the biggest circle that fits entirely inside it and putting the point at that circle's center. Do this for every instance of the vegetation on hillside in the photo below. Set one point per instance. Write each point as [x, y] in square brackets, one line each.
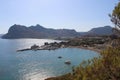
[106, 67]
[87, 41]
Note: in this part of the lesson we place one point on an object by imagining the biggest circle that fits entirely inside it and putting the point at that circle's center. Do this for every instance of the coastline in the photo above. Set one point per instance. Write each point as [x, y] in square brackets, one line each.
[87, 48]
[80, 47]
[55, 45]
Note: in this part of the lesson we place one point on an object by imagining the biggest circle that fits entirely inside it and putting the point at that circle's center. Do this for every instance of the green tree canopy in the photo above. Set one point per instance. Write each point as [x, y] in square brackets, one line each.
[115, 18]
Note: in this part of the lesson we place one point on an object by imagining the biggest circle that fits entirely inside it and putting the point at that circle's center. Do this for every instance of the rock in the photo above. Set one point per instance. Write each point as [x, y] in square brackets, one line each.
[67, 62]
[59, 57]
[34, 46]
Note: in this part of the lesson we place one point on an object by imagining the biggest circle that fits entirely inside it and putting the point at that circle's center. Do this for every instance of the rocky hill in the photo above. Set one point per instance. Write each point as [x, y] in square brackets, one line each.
[106, 30]
[38, 31]
[19, 31]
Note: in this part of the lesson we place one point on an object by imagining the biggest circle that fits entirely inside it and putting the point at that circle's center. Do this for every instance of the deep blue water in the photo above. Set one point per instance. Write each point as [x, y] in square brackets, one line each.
[37, 65]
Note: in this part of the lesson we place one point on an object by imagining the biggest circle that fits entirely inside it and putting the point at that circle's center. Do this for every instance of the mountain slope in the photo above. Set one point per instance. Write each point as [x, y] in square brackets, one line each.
[38, 31]
[106, 30]
[19, 31]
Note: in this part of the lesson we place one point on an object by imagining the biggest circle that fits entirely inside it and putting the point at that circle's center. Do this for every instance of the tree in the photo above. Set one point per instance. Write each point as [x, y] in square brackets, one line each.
[115, 18]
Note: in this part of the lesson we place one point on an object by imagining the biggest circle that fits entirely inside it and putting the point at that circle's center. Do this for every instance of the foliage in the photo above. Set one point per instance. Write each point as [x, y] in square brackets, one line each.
[87, 41]
[115, 18]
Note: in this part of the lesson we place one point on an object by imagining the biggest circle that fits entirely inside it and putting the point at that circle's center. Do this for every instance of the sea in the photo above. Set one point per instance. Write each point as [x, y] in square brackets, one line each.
[38, 65]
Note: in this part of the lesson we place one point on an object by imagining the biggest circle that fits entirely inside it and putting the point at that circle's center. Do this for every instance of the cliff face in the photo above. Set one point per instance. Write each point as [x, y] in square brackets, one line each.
[20, 31]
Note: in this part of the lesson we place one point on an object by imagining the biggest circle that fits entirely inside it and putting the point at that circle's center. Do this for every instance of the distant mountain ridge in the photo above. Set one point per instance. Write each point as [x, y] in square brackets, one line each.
[106, 30]
[38, 31]
[19, 31]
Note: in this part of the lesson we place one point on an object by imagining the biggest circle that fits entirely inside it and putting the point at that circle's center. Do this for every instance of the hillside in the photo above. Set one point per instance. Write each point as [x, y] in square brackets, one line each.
[19, 31]
[38, 31]
[106, 30]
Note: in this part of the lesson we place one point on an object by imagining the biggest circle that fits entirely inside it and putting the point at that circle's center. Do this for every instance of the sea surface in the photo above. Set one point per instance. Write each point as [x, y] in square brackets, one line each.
[37, 65]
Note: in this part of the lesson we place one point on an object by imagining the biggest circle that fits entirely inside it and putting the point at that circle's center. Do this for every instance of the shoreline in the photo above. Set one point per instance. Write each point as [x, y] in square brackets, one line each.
[80, 47]
[54, 46]
[87, 48]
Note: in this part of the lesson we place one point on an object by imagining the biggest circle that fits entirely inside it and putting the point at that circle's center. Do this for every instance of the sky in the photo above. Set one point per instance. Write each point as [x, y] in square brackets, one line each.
[81, 15]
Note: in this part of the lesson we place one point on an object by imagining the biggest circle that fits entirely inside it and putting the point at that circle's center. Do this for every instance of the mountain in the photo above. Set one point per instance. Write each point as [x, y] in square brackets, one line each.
[52, 33]
[106, 30]
[38, 31]
[99, 31]
[20, 31]
[1, 35]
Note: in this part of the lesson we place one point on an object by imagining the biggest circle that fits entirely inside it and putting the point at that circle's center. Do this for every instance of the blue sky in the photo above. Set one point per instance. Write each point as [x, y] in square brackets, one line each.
[81, 15]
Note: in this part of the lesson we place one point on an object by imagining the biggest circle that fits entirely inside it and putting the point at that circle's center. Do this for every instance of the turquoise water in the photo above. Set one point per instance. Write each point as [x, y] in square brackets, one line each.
[37, 65]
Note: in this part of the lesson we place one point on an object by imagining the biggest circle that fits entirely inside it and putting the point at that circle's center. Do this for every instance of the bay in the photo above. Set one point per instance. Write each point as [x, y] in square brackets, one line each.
[37, 65]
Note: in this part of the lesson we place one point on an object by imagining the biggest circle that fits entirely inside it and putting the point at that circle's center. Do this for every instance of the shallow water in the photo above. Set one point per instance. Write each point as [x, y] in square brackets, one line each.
[37, 65]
